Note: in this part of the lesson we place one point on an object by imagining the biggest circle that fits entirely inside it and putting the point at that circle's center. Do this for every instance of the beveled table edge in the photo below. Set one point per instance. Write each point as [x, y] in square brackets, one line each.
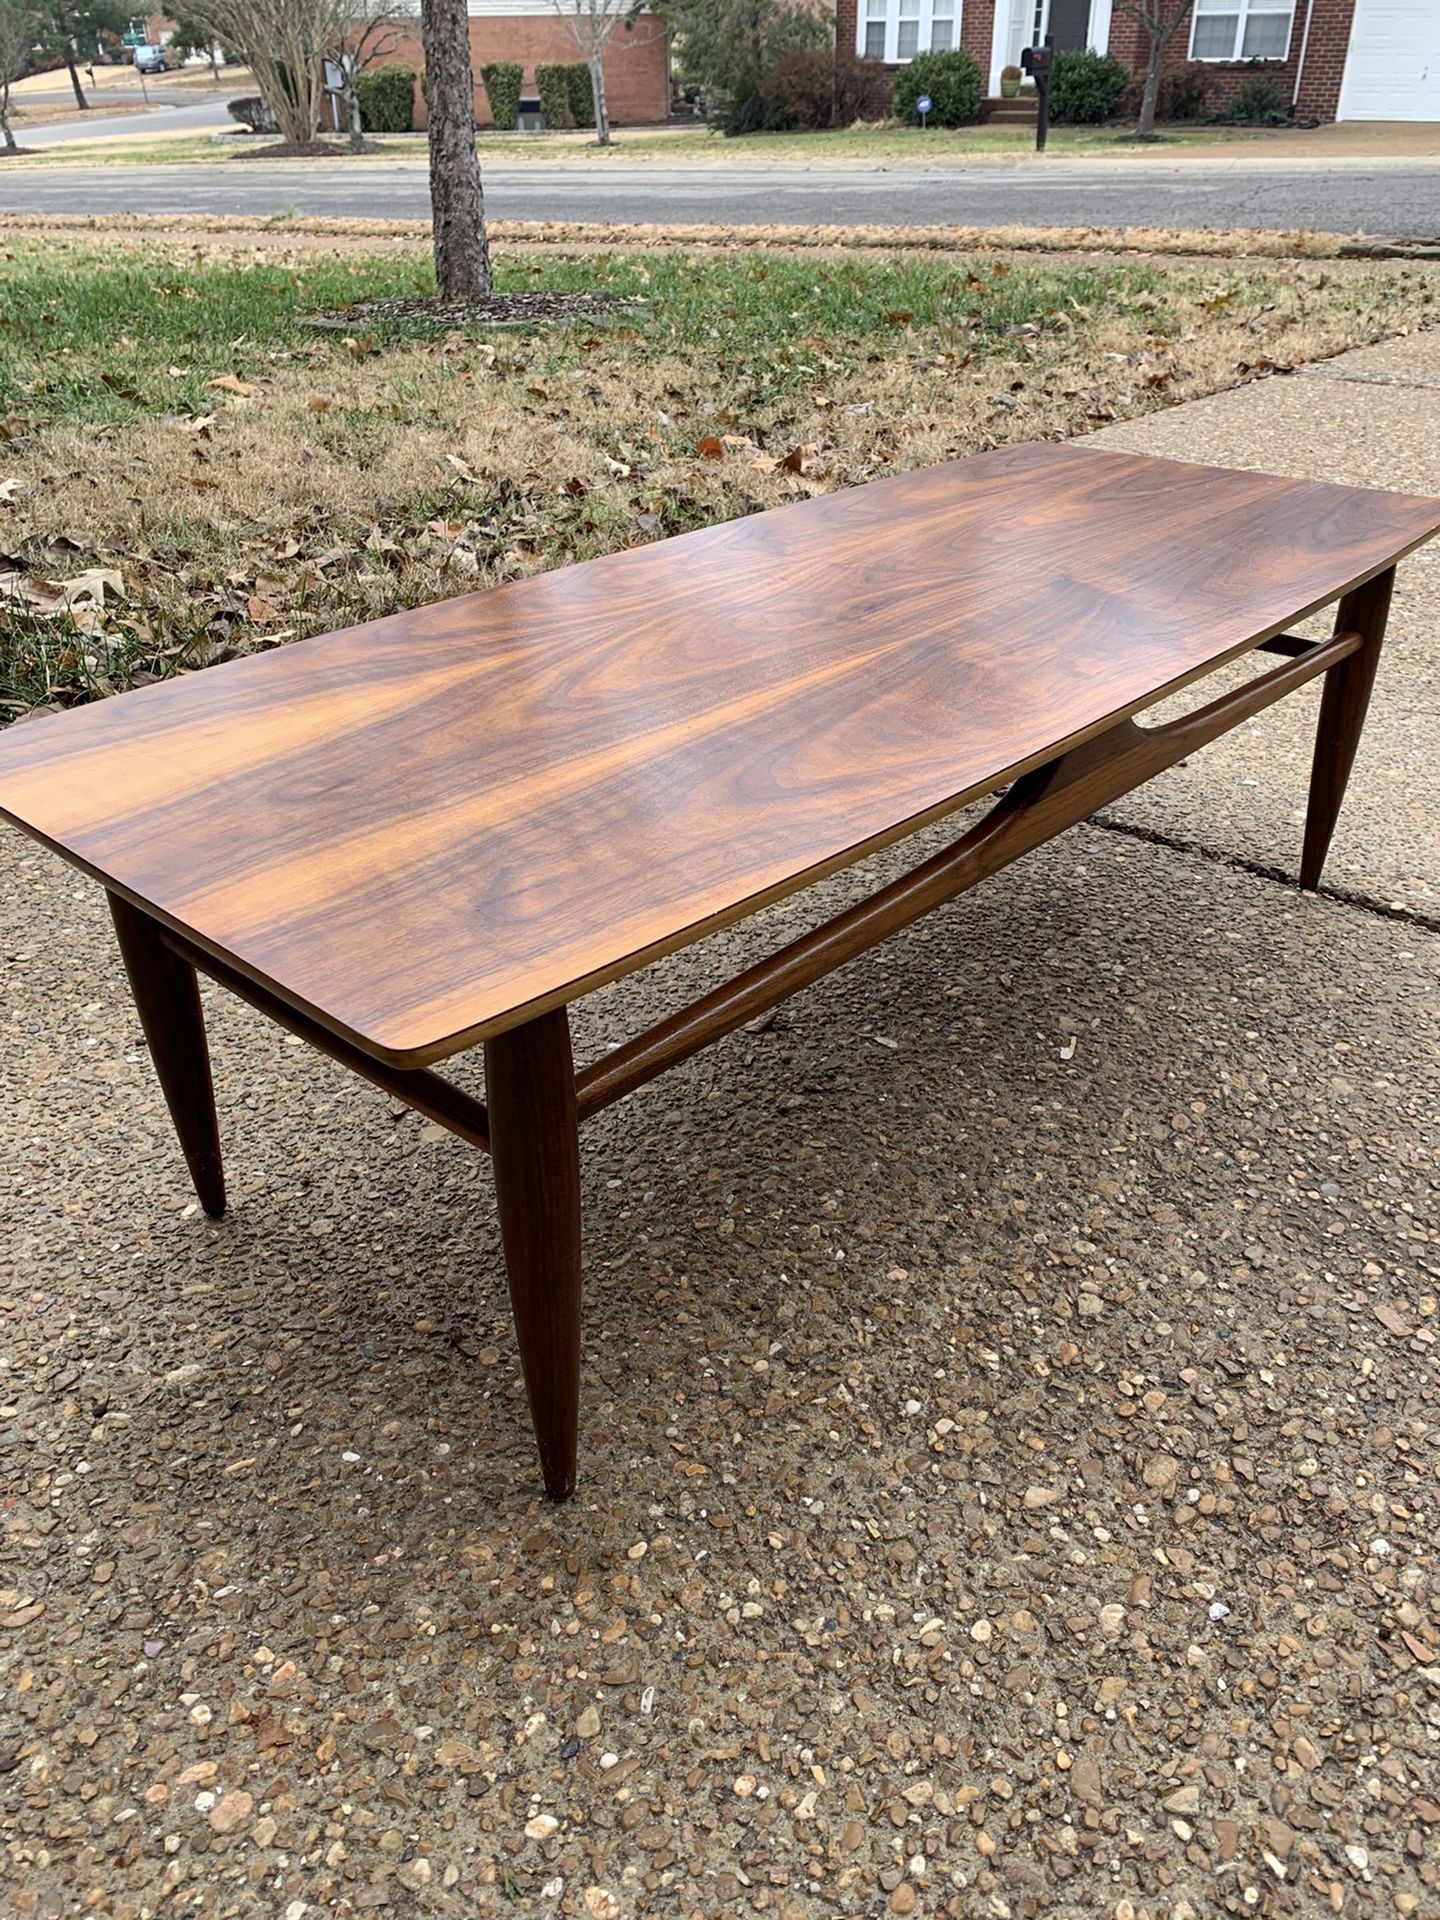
[463, 1039]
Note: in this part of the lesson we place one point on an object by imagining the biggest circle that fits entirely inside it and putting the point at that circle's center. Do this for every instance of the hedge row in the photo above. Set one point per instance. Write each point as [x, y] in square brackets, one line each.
[501, 80]
[566, 93]
[386, 96]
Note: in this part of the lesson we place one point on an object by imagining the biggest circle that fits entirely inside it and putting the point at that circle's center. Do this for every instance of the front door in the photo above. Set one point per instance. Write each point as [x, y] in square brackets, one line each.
[1070, 24]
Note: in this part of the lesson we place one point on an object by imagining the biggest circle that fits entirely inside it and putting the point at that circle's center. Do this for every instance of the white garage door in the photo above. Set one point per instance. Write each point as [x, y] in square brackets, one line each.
[1392, 71]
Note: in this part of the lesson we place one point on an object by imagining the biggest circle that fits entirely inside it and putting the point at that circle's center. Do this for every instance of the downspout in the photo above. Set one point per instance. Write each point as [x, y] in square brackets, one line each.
[1304, 49]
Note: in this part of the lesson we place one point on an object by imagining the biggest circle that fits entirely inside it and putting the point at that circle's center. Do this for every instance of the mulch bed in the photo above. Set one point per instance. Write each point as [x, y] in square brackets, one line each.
[501, 310]
[306, 150]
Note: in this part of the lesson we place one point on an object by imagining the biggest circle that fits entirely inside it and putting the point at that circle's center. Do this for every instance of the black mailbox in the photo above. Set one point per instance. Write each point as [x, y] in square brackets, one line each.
[1036, 61]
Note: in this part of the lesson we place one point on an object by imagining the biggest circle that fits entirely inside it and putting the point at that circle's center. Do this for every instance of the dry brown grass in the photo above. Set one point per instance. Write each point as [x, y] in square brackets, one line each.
[571, 236]
[338, 485]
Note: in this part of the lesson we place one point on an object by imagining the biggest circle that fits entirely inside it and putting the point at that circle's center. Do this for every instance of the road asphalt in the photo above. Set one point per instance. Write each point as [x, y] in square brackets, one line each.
[198, 117]
[1400, 200]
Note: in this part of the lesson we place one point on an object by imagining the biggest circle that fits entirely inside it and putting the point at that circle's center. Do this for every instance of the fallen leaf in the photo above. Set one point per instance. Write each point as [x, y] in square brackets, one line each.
[709, 448]
[227, 383]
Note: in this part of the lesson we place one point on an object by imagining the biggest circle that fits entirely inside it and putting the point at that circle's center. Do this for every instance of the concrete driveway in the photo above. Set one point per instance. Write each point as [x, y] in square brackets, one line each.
[1010, 1396]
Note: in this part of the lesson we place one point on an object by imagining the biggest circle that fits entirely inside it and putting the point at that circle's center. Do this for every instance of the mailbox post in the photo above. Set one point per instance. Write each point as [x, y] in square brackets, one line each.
[1036, 61]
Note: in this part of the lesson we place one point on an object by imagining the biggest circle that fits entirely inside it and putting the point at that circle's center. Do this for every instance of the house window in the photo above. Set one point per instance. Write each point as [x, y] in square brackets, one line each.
[896, 30]
[1241, 29]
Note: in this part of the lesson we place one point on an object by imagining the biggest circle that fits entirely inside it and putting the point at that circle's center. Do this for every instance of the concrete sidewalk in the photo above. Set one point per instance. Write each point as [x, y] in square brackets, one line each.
[1008, 1420]
[1369, 418]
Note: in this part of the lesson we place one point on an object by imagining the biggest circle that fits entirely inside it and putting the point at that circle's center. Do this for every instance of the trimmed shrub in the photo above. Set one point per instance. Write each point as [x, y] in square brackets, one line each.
[387, 99]
[748, 110]
[862, 90]
[1086, 88]
[552, 83]
[252, 112]
[1183, 96]
[582, 93]
[1259, 103]
[501, 80]
[821, 90]
[952, 81]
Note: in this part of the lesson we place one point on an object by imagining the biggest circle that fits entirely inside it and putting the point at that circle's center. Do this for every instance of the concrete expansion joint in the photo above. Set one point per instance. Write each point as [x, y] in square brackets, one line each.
[1331, 370]
[1392, 910]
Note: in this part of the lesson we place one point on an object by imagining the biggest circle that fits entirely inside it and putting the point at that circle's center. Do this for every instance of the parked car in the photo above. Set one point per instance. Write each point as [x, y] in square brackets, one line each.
[152, 60]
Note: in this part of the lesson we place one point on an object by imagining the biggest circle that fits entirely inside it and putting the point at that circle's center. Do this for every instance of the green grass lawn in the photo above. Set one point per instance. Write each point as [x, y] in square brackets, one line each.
[683, 147]
[224, 478]
[101, 343]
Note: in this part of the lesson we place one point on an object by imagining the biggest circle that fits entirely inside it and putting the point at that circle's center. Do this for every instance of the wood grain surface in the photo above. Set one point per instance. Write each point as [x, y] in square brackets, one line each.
[424, 830]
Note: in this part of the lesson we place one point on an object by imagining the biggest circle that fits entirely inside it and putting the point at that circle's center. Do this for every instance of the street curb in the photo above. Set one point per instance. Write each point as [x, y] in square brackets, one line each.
[1219, 242]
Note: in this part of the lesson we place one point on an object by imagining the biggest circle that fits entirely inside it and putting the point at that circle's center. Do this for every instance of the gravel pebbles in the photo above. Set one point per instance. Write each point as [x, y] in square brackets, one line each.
[1008, 1469]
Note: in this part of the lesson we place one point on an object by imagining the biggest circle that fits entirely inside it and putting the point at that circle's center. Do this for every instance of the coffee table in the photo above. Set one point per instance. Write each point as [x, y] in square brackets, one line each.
[438, 829]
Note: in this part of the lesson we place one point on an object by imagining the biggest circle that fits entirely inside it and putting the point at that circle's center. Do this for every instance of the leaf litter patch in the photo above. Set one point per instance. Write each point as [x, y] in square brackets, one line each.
[526, 307]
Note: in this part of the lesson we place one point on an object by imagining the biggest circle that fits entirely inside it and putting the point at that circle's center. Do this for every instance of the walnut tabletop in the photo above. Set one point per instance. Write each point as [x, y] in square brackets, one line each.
[426, 830]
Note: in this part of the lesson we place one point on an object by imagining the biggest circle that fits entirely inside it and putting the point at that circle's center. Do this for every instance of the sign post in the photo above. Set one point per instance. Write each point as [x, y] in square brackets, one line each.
[922, 107]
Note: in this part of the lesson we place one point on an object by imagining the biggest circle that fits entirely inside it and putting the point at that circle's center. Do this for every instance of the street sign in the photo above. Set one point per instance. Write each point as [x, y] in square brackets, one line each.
[922, 107]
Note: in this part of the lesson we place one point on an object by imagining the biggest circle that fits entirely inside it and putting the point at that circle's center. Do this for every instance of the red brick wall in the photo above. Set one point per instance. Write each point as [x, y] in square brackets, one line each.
[1324, 58]
[977, 30]
[1320, 84]
[977, 25]
[637, 71]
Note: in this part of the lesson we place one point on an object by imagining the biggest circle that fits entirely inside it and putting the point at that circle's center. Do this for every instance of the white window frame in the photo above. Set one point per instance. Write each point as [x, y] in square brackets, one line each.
[890, 57]
[1243, 9]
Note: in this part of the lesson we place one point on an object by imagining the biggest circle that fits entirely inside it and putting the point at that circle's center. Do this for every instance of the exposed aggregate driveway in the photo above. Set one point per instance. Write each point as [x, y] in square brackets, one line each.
[1008, 1482]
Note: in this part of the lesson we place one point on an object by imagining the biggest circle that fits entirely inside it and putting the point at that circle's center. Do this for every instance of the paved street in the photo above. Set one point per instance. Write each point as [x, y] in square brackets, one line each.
[1391, 200]
[196, 116]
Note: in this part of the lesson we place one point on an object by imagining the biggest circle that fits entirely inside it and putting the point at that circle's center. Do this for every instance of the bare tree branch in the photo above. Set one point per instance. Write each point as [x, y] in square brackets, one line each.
[18, 34]
[371, 29]
[591, 23]
[284, 43]
[1158, 19]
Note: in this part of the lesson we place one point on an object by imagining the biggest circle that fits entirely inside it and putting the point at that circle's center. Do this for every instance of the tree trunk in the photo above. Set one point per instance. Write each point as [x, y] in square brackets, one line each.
[457, 205]
[10, 146]
[352, 112]
[80, 100]
[1146, 128]
[596, 65]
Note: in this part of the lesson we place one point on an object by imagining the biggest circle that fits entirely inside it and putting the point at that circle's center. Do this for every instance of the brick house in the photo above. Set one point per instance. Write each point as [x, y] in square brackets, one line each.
[637, 57]
[1333, 59]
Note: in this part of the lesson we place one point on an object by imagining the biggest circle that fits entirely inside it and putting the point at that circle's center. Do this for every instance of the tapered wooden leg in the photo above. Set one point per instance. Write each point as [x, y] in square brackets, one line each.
[167, 998]
[1342, 715]
[535, 1144]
